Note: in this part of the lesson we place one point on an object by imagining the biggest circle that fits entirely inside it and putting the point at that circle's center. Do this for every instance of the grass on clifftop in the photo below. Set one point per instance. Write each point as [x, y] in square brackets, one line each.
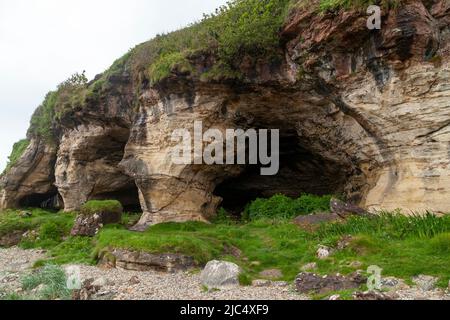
[240, 29]
[17, 152]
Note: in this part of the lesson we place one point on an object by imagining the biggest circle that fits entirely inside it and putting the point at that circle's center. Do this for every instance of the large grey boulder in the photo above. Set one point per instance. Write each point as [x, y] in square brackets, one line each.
[220, 275]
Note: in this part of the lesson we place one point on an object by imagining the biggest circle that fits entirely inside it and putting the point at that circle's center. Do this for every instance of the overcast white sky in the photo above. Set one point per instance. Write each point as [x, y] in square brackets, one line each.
[43, 42]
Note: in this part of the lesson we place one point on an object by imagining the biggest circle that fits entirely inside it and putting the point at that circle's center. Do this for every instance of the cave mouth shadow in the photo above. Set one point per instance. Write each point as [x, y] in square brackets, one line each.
[51, 200]
[301, 171]
[128, 196]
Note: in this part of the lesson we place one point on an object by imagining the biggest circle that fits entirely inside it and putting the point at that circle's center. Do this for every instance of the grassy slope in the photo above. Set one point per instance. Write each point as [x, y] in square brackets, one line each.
[403, 247]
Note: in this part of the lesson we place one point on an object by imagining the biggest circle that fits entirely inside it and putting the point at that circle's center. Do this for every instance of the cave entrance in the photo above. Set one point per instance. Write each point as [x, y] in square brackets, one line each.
[128, 196]
[301, 171]
[50, 201]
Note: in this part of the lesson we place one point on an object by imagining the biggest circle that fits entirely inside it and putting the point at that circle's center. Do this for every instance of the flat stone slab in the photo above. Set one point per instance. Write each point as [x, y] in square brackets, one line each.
[143, 261]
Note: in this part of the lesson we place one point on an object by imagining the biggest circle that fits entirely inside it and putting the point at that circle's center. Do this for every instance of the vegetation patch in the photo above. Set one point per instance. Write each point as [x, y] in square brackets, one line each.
[69, 95]
[283, 207]
[348, 4]
[403, 246]
[50, 282]
[12, 220]
[102, 206]
[16, 153]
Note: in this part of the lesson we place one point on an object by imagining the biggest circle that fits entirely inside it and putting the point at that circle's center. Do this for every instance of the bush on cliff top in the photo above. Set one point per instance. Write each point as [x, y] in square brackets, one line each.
[17, 152]
[239, 28]
[102, 206]
[68, 96]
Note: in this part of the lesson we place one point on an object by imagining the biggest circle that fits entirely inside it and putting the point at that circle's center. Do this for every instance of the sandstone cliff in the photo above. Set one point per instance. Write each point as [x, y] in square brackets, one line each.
[361, 113]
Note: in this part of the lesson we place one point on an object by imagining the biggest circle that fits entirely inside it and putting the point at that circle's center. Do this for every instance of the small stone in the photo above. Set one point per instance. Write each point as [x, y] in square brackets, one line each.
[335, 297]
[371, 296]
[356, 264]
[25, 214]
[393, 284]
[134, 280]
[310, 266]
[261, 283]
[271, 274]
[280, 284]
[424, 282]
[100, 282]
[323, 252]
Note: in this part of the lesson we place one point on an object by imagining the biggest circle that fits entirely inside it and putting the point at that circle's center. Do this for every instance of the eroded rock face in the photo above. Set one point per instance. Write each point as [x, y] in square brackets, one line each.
[143, 261]
[87, 165]
[88, 225]
[31, 181]
[361, 113]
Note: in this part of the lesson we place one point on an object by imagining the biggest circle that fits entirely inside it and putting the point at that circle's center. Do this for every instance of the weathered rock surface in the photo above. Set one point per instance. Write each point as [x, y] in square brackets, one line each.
[311, 283]
[11, 239]
[345, 210]
[425, 283]
[361, 113]
[220, 275]
[89, 224]
[313, 221]
[142, 261]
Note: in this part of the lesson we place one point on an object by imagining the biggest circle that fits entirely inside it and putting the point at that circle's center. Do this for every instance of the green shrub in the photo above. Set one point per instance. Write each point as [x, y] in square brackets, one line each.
[441, 243]
[223, 217]
[54, 281]
[166, 64]
[280, 206]
[17, 152]
[102, 206]
[390, 225]
[69, 95]
[248, 27]
[347, 4]
[245, 279]
[51, 231]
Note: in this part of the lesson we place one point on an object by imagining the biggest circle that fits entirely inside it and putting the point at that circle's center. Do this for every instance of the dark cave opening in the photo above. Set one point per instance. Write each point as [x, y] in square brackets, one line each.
[301, 171]
[50, 201]
[114, 184]
[128, 196]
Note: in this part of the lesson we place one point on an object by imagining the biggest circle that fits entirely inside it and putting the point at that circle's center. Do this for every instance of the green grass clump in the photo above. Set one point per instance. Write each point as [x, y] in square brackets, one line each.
[391, 225]
[102, 206]
[163, 67]
[69, 95]
[17, 152]
[440, 244]
[348, 4]
[242, 27]
[73, 250]
[40, 220]
[54, 282]
[283, 207]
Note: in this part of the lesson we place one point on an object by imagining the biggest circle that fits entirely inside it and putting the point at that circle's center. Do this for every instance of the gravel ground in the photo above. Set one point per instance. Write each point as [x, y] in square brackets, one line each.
[186, 286]
[133, 285]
